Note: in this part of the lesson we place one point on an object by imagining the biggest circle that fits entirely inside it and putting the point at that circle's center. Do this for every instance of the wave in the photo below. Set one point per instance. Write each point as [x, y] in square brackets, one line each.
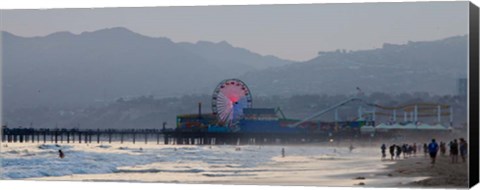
[44, 161]
[227, 175]
[158, 171]
[104, 146]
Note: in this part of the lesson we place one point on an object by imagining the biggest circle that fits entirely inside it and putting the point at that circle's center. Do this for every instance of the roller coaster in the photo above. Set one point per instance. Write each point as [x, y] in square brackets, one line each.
[411, 111]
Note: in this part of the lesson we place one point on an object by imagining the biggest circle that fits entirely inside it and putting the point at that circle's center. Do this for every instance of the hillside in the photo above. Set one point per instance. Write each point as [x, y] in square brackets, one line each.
[64, 69]
[432, 67]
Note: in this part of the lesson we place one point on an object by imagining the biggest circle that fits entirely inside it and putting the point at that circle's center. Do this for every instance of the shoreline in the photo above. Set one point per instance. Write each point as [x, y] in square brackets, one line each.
[362, 168]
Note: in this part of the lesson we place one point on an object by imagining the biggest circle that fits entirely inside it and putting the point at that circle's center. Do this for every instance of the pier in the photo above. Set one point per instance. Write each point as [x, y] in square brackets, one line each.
[156, 136]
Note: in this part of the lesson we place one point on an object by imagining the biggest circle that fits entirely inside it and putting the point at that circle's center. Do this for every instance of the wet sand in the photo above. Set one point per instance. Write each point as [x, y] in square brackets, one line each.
[443, 174]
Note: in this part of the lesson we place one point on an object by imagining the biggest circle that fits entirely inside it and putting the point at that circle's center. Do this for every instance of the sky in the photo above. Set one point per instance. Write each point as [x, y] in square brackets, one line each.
[294, 32]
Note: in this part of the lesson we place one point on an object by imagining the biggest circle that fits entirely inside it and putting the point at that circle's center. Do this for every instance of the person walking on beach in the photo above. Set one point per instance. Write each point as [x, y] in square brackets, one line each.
[399, 152]
[383, 151]
[454, 151]
[392, 151]
[61, 154]
[443, 148]
[351, 148]
[450, 148]
[410, 150]
[414, 149]
[425, 149]
[432, 150]
[463, 149]
[404, 150]
[283, 152]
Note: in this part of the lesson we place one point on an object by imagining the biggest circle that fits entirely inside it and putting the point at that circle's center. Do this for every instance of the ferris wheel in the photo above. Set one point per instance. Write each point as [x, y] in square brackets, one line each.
[228, 100]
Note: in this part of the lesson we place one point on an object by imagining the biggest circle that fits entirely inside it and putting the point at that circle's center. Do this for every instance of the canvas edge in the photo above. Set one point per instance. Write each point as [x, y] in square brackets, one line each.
[473, 106]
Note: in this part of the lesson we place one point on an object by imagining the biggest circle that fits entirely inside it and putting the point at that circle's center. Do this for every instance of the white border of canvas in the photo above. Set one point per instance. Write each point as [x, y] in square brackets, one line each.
[47, 4]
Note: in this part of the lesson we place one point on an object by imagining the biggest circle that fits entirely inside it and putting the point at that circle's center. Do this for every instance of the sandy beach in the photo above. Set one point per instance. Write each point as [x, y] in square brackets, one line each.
[443, 174]
[310, 165]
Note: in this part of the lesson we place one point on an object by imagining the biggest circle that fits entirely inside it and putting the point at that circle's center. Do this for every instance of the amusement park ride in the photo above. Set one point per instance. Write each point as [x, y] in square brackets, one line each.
[232, 111]
[229, 99]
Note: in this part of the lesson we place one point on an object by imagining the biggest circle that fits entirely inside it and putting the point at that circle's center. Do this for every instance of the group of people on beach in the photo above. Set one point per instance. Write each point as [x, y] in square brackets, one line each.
[431, 149]
[397, 150]
[455, 148]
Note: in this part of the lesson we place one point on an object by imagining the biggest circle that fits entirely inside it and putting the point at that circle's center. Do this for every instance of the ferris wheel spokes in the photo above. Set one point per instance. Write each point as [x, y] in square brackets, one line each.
[229, 99]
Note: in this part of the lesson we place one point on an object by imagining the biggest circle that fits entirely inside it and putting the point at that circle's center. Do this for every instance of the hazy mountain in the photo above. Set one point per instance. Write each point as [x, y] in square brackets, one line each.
[224, 54]
[432, 67]
[64, 69]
